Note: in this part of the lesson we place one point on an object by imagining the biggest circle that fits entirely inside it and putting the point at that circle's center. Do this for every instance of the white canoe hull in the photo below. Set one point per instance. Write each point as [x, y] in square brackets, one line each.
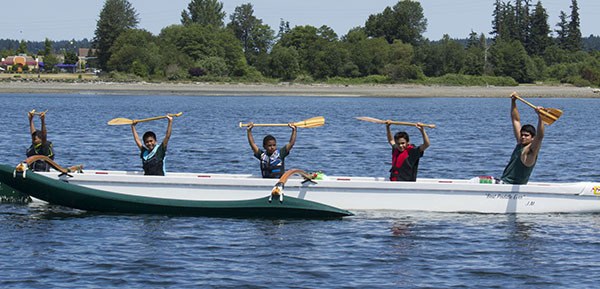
[356, 193]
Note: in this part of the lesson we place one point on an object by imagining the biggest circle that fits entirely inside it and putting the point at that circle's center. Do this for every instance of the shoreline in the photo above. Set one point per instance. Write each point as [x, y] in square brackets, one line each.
[285, 89]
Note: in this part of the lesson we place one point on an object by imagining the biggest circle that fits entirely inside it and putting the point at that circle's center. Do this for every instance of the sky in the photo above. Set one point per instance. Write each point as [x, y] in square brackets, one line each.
[76, 19]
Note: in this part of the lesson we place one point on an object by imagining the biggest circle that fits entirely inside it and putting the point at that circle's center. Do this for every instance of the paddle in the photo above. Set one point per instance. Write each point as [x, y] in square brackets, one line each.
[124, 121]
[375, 120]
[549, 115]
[307, 123]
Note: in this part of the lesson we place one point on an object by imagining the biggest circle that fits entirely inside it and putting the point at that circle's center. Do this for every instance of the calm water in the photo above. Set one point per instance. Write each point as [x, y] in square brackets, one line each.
[53, 247]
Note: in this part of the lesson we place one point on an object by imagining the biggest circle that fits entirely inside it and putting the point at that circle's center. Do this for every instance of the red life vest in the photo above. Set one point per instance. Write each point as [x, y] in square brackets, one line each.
[398, 159]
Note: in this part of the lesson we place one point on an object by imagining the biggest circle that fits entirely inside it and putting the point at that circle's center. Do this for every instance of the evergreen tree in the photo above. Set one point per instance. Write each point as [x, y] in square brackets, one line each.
[284, 27]
[22, 47]
[116, 17]
[540, 31]
[563, 30]
[497, 25]
[47, 47]
[574, 36]
[204, 12]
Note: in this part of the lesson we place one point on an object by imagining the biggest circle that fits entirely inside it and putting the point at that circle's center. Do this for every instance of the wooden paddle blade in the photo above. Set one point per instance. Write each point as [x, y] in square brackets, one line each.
[311, 122]
[120, 121]
[371, 119]
[550, 115]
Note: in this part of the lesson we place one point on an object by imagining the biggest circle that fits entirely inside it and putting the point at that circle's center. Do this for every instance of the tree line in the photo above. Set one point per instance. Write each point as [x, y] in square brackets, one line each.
[389, 48]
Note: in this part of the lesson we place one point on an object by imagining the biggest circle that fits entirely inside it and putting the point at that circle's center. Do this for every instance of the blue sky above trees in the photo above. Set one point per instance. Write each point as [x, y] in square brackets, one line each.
[67, 19]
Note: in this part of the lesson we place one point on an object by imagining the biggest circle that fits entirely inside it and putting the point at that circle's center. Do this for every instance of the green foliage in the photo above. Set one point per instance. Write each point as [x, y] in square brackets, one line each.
[509, 58]
[573, 41]
[185, 45]
[539, 39]
[304, 78]
[215, 66]
[370, 55]
[283, 63]
[445, 56]
[402, 72]
[123, 77]
[136, 52]
[203, 12]
[116, 17]
[47, 47]
[405, 22]
[70, 57]
[22, 47]
[49, 62]
[470, 80]
[371, 79]
[256, 38]
[331, 60]
[139, 68]
[310, 43]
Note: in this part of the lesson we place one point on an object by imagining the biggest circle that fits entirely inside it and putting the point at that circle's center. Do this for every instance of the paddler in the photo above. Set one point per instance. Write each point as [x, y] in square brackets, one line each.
[153, 156]
[405, 156]
[272, 160]
[525, 154]
[39, 143]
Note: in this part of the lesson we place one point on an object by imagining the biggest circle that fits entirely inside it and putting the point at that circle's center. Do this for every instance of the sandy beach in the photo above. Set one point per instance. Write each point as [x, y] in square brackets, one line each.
[285, 89]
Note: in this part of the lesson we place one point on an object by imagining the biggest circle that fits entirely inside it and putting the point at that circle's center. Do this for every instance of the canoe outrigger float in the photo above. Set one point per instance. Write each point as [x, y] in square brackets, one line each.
[178, 194]
[296, 194]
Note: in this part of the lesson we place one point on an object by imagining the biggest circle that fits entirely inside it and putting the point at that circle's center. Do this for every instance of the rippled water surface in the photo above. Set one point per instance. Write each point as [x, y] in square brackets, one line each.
[53, 247]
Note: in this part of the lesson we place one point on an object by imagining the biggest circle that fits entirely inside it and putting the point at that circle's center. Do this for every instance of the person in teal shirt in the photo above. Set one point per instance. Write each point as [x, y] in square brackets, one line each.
[525, 154]
[153, 155]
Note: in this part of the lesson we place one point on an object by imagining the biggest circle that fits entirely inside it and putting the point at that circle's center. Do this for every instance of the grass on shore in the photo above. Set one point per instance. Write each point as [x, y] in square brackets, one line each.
[48, 76]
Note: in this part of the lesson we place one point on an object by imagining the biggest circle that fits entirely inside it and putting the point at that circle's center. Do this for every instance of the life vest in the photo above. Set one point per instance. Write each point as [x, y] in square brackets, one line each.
[401, 169]
[44, 149]
[272, 166]
[152, 162]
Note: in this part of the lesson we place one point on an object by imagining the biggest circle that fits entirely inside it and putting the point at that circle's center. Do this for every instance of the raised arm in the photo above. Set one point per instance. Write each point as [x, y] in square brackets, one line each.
[136, 137]
[536, 143]
[165, 141]
[290, 144]
[388, 130]
[426, 143]
[515, 118]
[31, 124]
[251, 138]
[44, 131]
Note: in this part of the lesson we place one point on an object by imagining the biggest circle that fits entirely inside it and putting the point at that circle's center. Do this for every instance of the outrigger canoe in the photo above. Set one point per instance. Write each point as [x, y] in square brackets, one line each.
[295, 194]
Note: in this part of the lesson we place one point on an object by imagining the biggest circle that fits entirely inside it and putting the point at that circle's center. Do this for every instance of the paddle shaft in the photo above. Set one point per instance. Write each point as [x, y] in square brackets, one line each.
[524, 101]
[411, 124]
[264, 124]
[157, 117]
[545, 113]
[307, 123]
[380, 121]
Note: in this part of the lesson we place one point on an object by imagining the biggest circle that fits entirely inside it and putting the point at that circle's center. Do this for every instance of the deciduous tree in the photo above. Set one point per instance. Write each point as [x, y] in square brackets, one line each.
[256, 37]
[405, 22]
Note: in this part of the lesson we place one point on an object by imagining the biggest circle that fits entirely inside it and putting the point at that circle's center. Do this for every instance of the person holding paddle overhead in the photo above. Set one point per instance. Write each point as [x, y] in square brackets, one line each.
[153, 156]
[524, 156]
[39, 143]
[405, 156]
[272, 160]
